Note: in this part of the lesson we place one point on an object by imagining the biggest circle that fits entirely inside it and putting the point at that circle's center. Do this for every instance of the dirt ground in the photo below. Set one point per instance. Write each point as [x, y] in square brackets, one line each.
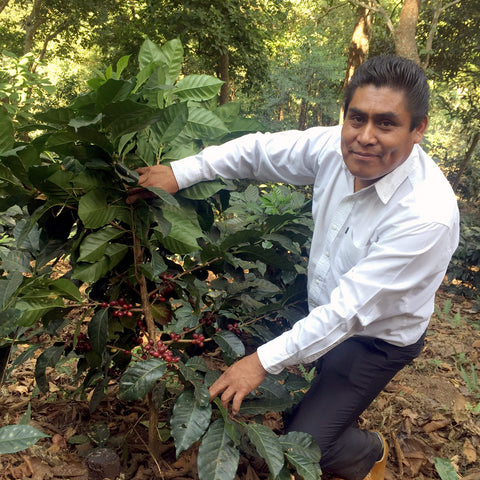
[428, 410]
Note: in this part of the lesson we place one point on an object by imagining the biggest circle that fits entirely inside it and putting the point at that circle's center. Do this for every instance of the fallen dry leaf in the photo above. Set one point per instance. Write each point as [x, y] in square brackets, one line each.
[469, 451]
[435, 425]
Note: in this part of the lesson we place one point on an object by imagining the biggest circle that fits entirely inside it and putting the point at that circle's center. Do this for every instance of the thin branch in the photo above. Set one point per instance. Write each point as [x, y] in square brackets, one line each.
[376, 7]
[433, 29]
[3, 4]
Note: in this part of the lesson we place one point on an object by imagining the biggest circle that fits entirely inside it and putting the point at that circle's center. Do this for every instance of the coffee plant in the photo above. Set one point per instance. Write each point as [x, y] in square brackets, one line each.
[138, 294]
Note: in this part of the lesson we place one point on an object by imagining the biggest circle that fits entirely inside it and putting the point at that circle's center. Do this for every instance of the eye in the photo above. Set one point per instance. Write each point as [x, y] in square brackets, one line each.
[356, 119]
[385, 123]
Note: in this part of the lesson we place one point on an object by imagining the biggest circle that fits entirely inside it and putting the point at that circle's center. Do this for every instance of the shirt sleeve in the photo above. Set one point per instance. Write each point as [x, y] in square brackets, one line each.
[388, 291]
[278, 157]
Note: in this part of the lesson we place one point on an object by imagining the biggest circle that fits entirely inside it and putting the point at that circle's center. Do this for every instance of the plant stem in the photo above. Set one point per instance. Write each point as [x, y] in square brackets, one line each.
[153, 438]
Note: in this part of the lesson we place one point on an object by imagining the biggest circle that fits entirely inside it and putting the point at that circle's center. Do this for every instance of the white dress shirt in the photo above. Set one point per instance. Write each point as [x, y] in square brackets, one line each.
[377, 256]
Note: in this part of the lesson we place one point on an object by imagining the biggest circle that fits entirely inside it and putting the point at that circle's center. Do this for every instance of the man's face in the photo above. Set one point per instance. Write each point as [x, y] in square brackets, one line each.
[376, 136]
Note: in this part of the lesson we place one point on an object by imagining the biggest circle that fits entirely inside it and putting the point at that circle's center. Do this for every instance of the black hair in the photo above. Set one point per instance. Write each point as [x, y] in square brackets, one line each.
[397, 73]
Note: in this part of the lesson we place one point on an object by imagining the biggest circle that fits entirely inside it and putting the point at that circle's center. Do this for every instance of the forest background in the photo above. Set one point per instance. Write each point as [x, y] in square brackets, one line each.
[284, 62]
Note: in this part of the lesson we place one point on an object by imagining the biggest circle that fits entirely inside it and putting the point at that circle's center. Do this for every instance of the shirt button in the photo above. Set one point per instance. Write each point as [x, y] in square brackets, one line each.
[334, 227]
[327, 254]
[317, 281]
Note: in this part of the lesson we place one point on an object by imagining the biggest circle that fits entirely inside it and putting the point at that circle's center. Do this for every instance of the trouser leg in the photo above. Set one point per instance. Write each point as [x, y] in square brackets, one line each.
[349, 378]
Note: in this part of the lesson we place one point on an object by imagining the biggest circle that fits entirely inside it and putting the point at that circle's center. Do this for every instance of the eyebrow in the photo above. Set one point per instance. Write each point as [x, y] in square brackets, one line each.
[389, 115]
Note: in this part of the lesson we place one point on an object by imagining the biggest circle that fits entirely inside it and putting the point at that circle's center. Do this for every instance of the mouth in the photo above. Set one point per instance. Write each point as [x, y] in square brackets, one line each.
[363, 155]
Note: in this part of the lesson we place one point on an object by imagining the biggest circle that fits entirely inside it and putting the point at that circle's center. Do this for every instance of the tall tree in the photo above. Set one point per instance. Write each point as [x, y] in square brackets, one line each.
[359, 43]
[403, 26]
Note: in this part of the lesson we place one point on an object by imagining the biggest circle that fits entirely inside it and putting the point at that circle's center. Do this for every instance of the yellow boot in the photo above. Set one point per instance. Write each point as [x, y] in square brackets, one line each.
[378, 470]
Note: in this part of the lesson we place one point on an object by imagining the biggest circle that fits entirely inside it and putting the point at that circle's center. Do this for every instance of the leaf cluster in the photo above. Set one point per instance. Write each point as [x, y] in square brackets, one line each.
[218, 268]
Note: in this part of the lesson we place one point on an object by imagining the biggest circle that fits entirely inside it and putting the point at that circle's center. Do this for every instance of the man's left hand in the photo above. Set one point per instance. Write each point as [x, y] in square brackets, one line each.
[238, 381]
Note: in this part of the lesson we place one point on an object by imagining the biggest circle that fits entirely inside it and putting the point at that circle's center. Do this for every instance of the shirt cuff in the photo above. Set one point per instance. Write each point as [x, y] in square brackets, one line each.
[187, 172]
[272, 355]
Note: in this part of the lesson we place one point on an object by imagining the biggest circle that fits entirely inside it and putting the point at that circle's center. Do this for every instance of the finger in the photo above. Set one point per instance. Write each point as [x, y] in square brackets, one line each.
[217, 387]
[227, 395]
[237, 402]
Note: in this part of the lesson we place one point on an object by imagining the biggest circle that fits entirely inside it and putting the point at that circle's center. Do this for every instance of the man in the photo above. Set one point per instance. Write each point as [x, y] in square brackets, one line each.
[386, 226]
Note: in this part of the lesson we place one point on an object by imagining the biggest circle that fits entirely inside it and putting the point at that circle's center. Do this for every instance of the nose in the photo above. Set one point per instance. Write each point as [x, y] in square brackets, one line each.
[366, 135]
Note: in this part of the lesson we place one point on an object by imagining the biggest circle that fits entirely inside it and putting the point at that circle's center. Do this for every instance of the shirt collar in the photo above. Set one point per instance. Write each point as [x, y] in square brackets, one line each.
[389, 184]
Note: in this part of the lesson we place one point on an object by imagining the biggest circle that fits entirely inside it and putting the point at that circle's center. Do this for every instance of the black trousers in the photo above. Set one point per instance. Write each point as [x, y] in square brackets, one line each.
[349, 378]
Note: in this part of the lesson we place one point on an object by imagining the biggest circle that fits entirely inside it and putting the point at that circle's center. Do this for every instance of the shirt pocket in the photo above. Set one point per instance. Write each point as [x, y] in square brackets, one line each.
[348, 254]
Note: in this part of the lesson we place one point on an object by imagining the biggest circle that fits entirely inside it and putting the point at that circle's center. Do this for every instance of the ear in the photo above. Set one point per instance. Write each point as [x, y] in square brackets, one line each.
[419, 130]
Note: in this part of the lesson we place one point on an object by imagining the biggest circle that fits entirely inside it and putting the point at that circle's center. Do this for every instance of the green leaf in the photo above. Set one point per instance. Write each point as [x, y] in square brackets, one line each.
[94, 245]
[66, 288]
[230, 344]
[198, 87]
[217, 456]
[6, 131]
[204, 125]
[113, 91]
[263, 405]
[189, 372]
[233, 428]
[33, 308]
[98, 331]
[91, 272]
[242, 236]
[24, 356]
[139, 379]
[95, 213]
[49, 358]
[27, 416]
[85, 121]
[189, 421]
[129, 116]
[202, 190]
[303, 453]
[149, 52]
[172, 55]
[14, 438]
[171, 123]
[8, 288]
[9, 321]
[169, 55]
[155, 267]
[267, 445]
[255, 252]
[184, 230]
[122, 65]
[445, 469]
[163, 195]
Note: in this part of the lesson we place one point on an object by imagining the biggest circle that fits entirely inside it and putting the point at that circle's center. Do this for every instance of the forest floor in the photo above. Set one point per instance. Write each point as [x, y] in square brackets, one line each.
[430, 409]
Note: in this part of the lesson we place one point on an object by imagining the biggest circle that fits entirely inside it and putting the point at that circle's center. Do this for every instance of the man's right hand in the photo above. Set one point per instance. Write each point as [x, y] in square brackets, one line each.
[157, 176]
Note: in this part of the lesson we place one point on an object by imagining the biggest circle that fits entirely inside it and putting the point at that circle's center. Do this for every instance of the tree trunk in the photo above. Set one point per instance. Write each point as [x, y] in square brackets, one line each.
[33, 22]
[3, 4]
[302, 116]
[466, 159]
[359, 43]
[404, 35]
[224, 75]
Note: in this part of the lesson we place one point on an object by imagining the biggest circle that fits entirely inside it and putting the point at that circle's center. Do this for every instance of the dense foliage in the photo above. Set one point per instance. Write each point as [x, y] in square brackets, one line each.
[213, 268]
